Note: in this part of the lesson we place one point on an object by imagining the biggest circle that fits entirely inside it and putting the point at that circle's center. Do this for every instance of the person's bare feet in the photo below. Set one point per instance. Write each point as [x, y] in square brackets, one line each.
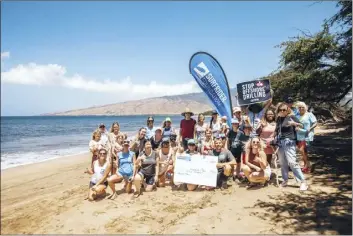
[113, 196]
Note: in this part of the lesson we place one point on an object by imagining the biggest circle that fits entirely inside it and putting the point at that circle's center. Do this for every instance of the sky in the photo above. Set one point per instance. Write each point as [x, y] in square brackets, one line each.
[58, 56]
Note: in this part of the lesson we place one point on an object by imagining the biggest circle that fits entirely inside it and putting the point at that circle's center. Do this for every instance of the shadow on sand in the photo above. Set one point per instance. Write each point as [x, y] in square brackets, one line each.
[322, 210]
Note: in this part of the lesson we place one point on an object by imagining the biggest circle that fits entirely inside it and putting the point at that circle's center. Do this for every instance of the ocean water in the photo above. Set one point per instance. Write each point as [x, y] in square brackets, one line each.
[26, 140]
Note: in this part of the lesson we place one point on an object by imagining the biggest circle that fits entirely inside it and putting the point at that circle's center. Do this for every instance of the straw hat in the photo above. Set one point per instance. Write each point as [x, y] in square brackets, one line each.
[187, 110]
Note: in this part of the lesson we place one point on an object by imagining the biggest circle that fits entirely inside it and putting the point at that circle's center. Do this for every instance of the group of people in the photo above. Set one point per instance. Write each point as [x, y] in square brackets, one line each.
[244, 150]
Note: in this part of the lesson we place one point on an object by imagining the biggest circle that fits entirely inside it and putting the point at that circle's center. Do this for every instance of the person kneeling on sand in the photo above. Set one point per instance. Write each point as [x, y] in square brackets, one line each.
[166, 161]
[256, 168]
[148, 162]
[226, 162]
[191, 151]
[125, 166]
[100, 170]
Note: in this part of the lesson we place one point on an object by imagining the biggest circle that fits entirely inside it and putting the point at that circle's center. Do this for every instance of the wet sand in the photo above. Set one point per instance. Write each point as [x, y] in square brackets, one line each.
[48, 197]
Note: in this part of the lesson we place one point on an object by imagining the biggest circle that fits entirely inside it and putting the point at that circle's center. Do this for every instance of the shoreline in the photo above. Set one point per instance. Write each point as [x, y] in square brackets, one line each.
[50, 199]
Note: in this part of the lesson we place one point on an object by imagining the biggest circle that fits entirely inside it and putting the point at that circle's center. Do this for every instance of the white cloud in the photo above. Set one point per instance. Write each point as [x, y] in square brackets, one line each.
[53, 74]
[5, 55]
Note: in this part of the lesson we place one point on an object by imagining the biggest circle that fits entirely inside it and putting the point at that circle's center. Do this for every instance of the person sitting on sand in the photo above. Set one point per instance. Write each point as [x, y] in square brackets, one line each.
[156, 138]
[125, 168]
[256, 168]
[191, 151]
[165, 162]
[148, 162]
[207, 143]
[138, 143]
[95, 145]
[226, 162]
[98, 182]
[167, 128]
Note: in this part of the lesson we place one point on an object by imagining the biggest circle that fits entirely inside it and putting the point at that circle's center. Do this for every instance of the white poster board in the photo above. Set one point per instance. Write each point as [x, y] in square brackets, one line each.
[196, 169]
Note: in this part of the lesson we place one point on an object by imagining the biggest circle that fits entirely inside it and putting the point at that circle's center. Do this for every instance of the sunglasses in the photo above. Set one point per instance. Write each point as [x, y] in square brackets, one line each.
[102, 153]
[282, 110]
[150, 120]
[301, 107]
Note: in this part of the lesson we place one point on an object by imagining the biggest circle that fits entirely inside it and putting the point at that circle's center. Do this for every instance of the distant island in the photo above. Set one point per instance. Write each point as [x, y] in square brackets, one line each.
[172, 105]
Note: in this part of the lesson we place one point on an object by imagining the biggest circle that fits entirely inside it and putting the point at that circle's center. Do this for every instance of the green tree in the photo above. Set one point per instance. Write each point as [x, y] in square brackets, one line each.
[317, 68]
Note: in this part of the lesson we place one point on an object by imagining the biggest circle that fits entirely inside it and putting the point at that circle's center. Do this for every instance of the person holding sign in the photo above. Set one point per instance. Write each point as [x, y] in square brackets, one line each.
[255, 113]
[226, 162]
[256, 167]
[191, 151]
[148, 162]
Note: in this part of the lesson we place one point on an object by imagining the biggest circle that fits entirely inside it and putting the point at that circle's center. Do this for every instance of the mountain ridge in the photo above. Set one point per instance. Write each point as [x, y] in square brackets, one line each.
[175, 104]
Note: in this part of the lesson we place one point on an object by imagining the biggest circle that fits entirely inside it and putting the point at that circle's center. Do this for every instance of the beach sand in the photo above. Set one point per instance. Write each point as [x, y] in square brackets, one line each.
[48, 197]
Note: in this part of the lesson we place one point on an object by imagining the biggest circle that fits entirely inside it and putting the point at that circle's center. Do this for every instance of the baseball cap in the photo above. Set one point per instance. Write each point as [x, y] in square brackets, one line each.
[214, 112]
[235, 121]
[101, 125]
[168, 119]
[289, 100]
[150, 118]
[158, 128]
[236, 109]
[165, 140]
[191, 142]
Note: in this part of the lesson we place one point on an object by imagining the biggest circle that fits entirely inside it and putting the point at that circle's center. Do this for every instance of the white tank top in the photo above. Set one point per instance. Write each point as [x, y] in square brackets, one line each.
[163, 167]
[98, 171]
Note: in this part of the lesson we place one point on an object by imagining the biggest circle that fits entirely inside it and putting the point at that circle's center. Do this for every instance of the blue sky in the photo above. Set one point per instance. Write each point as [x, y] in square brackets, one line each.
[58, 56]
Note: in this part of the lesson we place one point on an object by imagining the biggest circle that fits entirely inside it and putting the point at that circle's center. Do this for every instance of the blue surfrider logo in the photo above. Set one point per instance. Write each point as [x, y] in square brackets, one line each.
[201, 70]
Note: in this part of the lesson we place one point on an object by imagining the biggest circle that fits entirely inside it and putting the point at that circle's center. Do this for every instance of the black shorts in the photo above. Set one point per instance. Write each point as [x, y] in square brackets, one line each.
[149, 179]
[91, 184]
[221, 178]
[237, 156]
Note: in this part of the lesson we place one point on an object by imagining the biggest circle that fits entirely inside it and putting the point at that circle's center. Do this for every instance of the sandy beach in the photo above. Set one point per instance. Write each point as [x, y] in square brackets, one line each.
[48, 197]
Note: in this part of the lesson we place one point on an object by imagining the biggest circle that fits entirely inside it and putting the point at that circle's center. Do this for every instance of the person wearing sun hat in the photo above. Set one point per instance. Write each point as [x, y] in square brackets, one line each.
[167, 129]
[187, 126]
